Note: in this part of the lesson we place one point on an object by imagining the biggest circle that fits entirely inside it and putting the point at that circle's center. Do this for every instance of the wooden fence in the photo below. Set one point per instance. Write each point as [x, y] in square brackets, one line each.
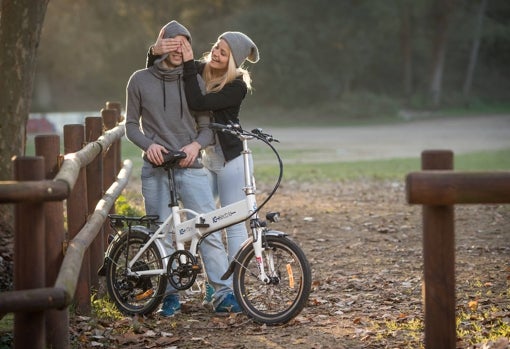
[55, 267]
[438, 189]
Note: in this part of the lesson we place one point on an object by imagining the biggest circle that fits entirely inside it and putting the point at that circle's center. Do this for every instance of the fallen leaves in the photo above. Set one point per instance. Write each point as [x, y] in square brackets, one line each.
[364, 245]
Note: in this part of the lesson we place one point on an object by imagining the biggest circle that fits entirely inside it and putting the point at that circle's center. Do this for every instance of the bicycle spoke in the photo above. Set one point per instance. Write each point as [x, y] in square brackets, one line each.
[134, 293]
[290, 280]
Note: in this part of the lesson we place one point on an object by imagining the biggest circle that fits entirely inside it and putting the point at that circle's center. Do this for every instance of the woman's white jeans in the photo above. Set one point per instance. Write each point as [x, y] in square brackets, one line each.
[228, 183]
[194, 191]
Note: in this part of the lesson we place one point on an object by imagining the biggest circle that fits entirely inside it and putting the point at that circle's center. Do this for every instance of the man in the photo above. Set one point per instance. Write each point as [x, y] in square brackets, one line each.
[158, 120]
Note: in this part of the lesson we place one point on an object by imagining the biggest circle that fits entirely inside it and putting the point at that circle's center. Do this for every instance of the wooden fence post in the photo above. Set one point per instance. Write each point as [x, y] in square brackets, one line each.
[110, 117]
[118, 149]
[57, 321]
[439, 262]
[29, 273]
[117, 106]
[109, 163]
[95, 191]
[77, 215]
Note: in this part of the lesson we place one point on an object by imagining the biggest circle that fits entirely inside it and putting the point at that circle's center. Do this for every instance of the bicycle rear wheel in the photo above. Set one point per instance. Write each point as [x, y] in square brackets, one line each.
[282, 299]
[134, 294]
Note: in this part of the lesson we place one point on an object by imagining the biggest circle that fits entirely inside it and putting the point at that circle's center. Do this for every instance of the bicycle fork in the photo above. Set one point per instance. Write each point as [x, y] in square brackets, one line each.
[258, 249]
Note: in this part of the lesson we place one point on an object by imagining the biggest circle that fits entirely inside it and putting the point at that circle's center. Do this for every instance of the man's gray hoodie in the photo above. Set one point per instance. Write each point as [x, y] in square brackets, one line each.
[157, 111]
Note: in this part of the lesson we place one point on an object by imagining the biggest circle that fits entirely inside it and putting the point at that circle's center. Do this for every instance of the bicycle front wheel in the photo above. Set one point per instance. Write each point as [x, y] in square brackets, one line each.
[291, 279]
[134, 294]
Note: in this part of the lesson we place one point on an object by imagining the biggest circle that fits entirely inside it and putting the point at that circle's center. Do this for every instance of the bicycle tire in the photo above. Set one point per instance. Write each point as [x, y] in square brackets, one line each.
[274, 303]
[131, 294]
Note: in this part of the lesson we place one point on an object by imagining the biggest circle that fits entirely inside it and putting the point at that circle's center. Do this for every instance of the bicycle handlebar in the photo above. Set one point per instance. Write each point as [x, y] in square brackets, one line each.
[236, 130]
[233, 129]
[267, 136]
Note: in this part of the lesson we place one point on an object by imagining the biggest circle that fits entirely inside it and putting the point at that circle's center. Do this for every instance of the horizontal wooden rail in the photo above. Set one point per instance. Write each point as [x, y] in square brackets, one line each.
[33, 191]
[68, 275]
[449, 188]
[62, 294]
[60, 187]
[36, 299]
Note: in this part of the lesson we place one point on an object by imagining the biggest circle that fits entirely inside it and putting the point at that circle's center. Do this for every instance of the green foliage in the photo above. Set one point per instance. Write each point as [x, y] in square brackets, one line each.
[479, 322]
[411, 329]
[347, 55]
[6, 331]
[105, 310]
[7, 322]
[124, 207]
[6, 340]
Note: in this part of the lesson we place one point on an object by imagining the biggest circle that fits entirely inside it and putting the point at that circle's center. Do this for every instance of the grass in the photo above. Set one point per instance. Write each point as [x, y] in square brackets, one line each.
[390, 169]
[387, 169]
[386, 111]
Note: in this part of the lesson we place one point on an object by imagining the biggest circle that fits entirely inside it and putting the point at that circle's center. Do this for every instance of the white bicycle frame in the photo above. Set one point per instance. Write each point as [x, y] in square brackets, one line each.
[193, 229]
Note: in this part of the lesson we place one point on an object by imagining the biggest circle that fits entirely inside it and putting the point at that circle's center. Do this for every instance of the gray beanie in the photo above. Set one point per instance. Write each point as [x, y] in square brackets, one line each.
[241, 46]
[172, 29]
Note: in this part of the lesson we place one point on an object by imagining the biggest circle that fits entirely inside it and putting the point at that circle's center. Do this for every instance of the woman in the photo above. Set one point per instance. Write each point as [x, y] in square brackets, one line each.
[227, 84]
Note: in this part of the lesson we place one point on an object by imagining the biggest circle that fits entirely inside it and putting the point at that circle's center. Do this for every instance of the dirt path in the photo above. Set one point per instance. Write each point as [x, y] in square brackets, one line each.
[364, 244]
[466, 134]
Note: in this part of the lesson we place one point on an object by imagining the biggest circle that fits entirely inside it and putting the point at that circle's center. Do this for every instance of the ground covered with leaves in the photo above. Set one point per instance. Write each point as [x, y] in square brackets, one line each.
[364, 243]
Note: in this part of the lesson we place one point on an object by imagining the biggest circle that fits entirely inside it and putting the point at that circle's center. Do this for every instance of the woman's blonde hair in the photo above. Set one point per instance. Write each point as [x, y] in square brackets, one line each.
[215, 83]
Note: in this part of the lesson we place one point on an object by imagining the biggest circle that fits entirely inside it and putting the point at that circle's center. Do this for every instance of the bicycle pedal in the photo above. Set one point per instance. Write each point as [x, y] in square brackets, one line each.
[144, 295]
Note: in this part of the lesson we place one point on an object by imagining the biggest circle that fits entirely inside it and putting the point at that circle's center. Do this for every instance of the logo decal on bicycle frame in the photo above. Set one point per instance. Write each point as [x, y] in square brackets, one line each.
[223, 216]
[183, 231]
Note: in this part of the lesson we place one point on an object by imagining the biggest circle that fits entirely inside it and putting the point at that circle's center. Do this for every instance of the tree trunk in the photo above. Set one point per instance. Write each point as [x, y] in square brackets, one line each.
[441, 16]
[473, 58]
[20, 30]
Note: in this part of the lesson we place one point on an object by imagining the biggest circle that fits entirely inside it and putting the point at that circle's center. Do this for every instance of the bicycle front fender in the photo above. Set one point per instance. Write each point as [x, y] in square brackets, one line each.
[247, 244]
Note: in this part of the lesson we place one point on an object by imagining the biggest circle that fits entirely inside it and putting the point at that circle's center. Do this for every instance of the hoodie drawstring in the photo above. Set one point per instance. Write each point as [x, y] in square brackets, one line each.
[163, 81]
[180, 94]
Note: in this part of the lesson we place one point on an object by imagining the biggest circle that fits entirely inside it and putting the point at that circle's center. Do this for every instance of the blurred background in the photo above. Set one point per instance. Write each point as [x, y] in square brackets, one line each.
[324, 59]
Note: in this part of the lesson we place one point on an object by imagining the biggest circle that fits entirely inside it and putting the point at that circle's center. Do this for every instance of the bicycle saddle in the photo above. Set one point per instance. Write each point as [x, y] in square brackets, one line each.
[171, 159]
